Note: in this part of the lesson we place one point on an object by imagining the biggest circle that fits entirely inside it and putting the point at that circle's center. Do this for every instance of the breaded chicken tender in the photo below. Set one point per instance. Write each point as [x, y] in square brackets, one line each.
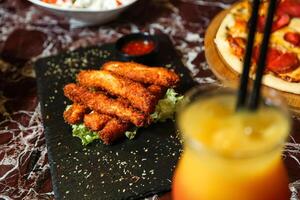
[138, 96]
[117, 97]
[102, 104]
[113, 130]
[74, 114]
[95, 121]
[143, 74]
[109, 128]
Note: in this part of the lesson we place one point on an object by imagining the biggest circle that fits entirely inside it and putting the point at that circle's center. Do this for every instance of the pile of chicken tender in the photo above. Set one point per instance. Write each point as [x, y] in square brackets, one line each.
[119, 96]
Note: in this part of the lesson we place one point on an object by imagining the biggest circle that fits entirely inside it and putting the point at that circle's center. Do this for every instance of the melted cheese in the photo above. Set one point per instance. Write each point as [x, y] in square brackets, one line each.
[295, 24]
[293, 76]
[278, 40]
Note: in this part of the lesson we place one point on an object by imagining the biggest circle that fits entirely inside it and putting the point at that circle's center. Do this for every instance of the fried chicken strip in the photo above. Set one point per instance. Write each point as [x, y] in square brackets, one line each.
[141, 73]
[113, 130]
[138, 96]
[95, 121]
[157, 91]
[74, 114]
[102, 104]
[109, 128]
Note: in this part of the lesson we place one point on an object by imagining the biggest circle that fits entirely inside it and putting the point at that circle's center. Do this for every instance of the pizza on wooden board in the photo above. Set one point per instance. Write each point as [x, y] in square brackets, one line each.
[283, 59]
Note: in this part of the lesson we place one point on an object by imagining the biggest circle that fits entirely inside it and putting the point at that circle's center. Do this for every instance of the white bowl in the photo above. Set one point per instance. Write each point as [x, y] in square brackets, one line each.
[83, 16]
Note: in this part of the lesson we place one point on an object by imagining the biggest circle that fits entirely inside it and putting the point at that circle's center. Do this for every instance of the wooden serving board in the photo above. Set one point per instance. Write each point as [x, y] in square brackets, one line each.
[224, 72]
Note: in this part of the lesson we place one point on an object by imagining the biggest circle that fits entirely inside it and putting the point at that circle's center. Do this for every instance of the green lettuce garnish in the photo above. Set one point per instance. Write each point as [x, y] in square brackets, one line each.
[166, 107]
[82, 132]
[130, 134]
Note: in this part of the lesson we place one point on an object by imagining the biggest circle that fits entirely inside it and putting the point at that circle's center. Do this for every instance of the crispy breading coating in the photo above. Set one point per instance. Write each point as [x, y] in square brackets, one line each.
[124, 101]
[109, 128]
[102, 104]
[157, 91]
[74, 114]
[138, 96]
[95, 121]
[144, 74]
[113, 130]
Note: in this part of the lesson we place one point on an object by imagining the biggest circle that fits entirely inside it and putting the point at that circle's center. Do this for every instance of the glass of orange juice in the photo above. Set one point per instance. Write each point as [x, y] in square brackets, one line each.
[231, 155]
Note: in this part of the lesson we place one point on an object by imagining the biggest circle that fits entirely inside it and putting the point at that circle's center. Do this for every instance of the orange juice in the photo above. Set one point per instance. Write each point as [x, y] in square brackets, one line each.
[231, 155]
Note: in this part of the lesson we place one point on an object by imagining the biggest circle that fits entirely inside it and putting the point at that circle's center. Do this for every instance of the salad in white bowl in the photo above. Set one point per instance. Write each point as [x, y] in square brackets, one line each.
[85, 12]
[89, 4]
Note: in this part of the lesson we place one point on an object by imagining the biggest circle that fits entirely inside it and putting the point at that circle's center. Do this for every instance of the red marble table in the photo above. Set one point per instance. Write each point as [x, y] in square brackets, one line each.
[28, 33]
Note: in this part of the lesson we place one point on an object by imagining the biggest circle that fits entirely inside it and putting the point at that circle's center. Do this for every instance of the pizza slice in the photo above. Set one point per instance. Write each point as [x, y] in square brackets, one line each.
[283, 60]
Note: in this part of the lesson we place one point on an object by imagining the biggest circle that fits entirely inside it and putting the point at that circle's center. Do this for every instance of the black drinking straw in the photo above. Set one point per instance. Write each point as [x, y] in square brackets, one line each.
[243, 90]
[255, 95]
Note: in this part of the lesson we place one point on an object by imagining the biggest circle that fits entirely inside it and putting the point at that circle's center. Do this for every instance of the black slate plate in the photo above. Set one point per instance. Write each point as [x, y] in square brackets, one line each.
[130, 169]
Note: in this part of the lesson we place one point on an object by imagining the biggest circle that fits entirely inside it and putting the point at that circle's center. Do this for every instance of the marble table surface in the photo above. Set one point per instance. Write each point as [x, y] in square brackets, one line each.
[28, 33]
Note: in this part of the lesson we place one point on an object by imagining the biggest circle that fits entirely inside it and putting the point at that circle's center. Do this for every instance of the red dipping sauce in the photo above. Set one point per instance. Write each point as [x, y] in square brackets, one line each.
[138, 47]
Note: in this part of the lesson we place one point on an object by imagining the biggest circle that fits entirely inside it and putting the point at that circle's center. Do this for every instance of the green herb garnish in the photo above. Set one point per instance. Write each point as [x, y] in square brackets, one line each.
[82, 132]
[166, 107]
